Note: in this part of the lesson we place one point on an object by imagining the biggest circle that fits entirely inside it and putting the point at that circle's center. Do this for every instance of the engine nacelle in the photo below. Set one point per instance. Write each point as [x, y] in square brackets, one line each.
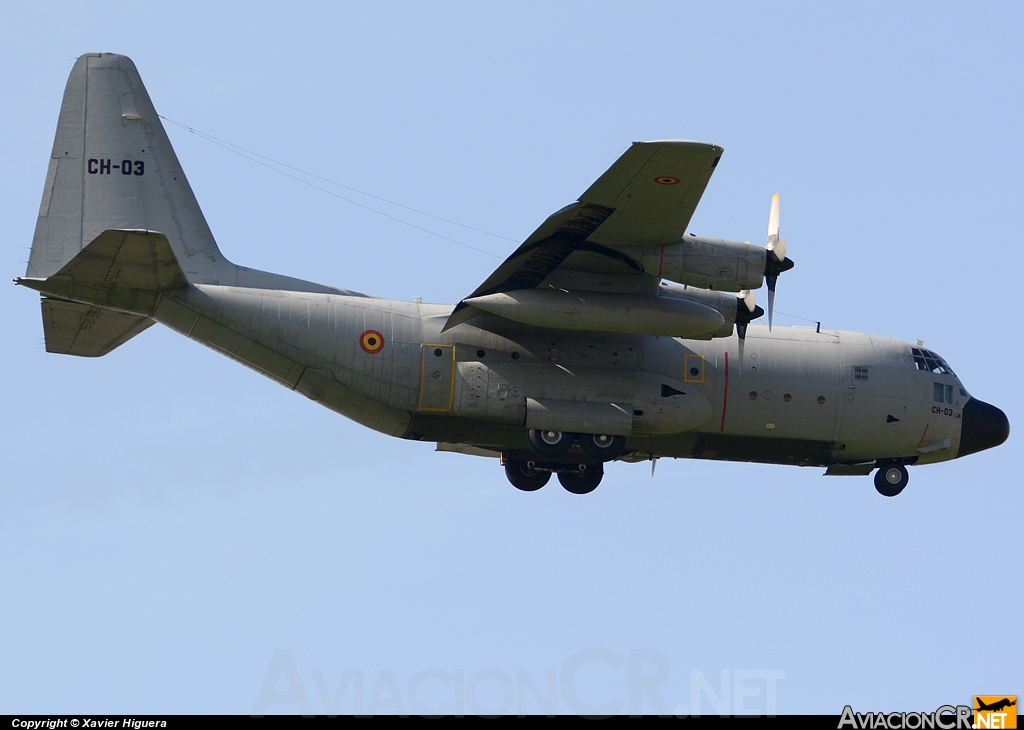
[732, 308]
[706, 263]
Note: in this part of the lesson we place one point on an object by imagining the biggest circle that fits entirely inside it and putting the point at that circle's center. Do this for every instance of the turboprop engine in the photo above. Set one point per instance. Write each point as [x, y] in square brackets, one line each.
[707, 263]
[737, 310]
[717, 264]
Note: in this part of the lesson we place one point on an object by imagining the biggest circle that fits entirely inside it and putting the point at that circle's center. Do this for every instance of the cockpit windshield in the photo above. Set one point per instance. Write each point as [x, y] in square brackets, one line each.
[930, 362]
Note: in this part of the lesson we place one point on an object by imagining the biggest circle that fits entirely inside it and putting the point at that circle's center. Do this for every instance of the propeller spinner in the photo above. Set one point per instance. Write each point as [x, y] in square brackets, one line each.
[776, 261]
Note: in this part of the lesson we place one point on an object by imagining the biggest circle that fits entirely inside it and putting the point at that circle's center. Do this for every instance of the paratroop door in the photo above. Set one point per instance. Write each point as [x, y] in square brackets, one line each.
[437, 378]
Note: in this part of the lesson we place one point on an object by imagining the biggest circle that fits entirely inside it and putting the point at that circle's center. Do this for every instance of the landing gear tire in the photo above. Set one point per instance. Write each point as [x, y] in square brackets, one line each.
[548, 443]
[890, 480]
[523, 476]
[583, 481]
[601, 447]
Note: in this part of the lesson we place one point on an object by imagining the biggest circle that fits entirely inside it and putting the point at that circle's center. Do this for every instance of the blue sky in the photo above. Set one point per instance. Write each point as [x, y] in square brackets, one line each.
[178, 534]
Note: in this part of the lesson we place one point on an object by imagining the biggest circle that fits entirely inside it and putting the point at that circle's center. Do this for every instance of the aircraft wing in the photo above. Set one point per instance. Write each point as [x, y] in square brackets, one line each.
[653, 190]
[646, 198]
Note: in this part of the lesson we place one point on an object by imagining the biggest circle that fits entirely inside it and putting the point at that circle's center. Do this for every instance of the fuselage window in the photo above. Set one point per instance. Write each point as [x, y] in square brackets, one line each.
[860, 372]
[943, 393]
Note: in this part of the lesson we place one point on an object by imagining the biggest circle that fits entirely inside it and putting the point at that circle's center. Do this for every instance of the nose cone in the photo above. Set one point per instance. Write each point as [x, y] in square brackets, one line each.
[984, 426]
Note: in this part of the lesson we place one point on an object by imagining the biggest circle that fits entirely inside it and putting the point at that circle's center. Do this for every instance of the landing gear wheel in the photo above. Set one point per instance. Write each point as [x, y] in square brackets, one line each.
[583, 481]
[549, 443]
[891, 479]
[523, 476]
[601, 447]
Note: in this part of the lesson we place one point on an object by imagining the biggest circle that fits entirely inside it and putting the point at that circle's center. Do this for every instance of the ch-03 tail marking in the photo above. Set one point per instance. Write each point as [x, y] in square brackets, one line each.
[608, 334]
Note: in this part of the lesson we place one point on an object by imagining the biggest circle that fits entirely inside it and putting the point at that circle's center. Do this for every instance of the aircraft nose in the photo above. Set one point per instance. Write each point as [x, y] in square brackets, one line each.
[984, 426]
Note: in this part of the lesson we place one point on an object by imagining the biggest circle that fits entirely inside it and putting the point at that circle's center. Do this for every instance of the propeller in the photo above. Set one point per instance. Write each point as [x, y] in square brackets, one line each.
[746, 311]
[776, 261]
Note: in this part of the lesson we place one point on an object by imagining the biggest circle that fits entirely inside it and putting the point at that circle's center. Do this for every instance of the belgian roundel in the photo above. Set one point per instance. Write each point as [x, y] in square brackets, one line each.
[666, 180]
[371, 341]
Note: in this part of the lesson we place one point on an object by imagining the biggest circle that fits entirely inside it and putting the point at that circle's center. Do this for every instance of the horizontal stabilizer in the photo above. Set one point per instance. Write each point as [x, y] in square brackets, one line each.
[103, 296]
[128, 259]
[119, 269]
[80, 329]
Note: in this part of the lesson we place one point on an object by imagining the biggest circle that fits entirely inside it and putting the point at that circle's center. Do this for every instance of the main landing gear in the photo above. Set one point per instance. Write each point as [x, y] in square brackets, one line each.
[583, 480]
[530, 476]
[550, 446]
[525, 476]
[890, 479]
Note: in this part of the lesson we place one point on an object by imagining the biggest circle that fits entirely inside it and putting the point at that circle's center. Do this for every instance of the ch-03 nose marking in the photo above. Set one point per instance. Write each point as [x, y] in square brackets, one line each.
[609, 334]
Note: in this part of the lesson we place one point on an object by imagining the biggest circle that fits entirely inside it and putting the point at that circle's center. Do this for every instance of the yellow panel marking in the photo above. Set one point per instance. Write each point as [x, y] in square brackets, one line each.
[693, 361]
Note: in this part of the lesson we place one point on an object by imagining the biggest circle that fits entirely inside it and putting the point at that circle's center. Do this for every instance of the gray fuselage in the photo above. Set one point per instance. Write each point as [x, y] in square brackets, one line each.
[801, 397]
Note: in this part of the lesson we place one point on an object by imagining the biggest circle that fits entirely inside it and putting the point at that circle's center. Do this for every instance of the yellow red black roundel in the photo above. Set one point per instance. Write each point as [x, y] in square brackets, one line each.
[371, 341]
[665, 180]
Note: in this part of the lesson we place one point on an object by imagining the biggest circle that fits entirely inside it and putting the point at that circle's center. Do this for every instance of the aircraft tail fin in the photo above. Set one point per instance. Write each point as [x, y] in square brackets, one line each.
[113, 166]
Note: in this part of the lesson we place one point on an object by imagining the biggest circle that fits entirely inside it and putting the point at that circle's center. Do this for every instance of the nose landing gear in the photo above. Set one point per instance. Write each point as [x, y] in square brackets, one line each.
[890, 479]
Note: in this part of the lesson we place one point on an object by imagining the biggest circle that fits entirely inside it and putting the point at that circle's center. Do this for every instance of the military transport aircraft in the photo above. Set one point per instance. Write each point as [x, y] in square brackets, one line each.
[608, 334]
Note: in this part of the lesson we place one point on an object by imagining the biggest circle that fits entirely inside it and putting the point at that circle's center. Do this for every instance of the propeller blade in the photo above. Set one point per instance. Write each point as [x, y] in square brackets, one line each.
[654, 463]
[773, 219]
[775, 261]
[779, 249]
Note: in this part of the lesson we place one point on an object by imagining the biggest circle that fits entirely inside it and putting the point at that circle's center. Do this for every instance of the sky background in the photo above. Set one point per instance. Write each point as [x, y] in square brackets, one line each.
[178, 534]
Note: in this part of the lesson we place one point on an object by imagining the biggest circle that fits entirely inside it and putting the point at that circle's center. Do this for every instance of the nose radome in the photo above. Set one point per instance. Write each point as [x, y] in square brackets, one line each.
[984, 426]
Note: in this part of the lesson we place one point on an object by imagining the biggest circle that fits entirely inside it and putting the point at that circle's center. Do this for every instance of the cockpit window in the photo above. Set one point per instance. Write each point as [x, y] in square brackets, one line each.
[930, 362]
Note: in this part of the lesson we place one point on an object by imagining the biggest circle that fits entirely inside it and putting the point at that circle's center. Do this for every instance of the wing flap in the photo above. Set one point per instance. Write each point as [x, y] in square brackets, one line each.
[545, 250]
